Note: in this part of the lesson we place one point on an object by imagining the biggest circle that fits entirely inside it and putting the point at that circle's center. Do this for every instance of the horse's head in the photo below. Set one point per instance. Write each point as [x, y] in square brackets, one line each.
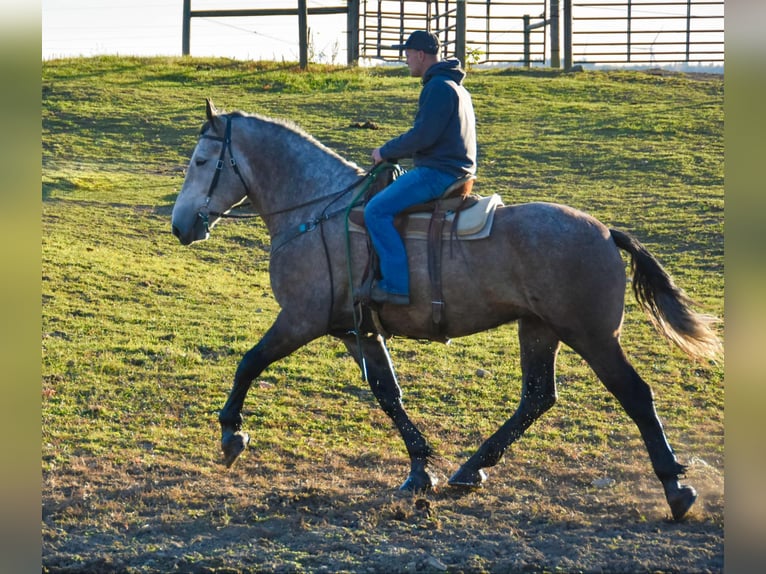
[214, 182]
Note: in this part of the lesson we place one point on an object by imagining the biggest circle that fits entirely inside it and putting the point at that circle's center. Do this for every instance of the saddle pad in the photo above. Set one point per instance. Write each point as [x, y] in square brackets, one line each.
[474, 222]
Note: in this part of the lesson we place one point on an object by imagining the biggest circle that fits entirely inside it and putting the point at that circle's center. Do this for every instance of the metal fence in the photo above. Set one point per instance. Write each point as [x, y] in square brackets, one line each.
[647, 31]
[519, 31]
[494, 30]
[527, 32]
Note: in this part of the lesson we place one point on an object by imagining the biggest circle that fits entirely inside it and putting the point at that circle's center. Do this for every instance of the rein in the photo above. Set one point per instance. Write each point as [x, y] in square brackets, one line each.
[281, 239]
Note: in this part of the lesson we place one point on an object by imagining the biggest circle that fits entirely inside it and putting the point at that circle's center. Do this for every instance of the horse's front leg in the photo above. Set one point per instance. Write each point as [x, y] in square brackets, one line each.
[279, 341]
[382, 380]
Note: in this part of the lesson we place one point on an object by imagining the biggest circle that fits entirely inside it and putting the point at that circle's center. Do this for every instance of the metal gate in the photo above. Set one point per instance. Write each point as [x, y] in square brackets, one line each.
[647, 31]
[494, 30]
[527, 31]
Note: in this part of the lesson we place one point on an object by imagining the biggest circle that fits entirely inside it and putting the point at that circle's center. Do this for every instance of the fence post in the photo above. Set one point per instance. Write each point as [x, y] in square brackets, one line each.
[460, 27]
[303, 34]
[555, 51]
[688, 27]
[567, 35]
[527, 34]
[186, 28]
[630, 26]
[352, 40]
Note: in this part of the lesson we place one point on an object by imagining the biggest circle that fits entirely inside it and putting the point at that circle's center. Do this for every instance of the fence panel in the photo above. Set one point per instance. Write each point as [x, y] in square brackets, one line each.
[519, 31]
[647, 31]
[600, 31]
[494, 30]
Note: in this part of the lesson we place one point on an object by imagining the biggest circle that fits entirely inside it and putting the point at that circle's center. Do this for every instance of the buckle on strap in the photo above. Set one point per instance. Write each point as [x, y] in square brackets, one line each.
[437, 309]
[307, 226]
[203, 215]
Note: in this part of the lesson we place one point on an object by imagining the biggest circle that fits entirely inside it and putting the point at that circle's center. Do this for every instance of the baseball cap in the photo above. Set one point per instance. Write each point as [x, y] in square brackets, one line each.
[427, 42]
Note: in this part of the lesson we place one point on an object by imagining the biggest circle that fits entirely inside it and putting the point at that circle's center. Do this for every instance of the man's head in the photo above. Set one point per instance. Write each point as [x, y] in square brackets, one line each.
[421, 50]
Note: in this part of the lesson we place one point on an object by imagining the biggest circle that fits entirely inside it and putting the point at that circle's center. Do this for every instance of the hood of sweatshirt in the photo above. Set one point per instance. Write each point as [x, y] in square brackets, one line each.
[450, 68]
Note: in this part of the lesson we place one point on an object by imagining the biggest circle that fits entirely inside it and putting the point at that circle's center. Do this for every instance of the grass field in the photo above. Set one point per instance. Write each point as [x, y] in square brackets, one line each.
[141, 337]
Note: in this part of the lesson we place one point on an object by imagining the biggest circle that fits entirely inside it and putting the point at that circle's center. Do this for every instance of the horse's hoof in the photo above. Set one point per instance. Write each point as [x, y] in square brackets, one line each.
[421, 481]
[233, 444]
[681, 500]
[467, 478]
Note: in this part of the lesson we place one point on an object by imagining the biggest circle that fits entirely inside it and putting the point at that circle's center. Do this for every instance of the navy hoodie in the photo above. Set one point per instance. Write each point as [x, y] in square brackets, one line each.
[443, 135]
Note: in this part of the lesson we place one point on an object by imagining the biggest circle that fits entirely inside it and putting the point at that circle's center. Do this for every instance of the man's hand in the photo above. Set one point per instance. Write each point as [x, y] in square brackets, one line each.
[376, 157]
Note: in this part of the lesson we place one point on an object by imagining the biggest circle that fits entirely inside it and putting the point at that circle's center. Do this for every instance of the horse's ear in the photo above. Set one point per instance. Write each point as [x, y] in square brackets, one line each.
[210, 109]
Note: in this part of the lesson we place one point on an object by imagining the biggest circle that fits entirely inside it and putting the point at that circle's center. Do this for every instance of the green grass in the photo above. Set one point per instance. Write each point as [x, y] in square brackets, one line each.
[141, 336]
[133, 319]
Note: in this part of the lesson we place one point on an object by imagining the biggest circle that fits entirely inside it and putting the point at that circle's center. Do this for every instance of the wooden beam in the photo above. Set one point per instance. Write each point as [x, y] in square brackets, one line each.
[266, 12]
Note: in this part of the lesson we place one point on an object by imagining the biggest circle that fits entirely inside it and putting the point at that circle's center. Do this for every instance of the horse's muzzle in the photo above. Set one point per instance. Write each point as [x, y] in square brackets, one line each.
[177, 233]
[189, 234]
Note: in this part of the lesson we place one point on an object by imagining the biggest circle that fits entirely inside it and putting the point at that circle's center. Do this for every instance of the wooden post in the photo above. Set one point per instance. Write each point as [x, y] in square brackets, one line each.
[555, 51]
[460, 28]
[186, 28]
[352, 34]
[303, 33]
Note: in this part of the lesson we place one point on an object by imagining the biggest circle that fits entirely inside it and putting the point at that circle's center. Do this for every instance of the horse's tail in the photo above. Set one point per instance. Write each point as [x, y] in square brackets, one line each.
[668, 307]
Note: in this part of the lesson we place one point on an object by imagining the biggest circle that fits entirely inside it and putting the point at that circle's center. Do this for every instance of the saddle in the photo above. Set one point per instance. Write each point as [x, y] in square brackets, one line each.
[456, 214]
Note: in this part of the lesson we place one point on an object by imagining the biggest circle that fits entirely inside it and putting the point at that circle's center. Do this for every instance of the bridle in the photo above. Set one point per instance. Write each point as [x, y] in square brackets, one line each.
[204, 213]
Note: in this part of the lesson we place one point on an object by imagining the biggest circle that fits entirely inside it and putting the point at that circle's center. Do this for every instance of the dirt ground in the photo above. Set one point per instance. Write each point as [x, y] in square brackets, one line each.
[336, 515]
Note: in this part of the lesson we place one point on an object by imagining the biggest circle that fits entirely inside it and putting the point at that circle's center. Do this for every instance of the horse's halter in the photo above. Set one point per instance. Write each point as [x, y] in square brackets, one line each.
[205, 212]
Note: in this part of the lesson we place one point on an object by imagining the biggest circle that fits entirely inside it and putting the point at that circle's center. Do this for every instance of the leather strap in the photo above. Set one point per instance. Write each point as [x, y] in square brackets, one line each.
[435, 267]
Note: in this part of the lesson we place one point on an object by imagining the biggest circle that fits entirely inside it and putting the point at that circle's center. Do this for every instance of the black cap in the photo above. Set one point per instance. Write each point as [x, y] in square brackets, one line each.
[427, 42]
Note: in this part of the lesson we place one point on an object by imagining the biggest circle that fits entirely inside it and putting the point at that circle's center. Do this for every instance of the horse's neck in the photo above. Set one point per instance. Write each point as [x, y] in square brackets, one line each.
[297, 174]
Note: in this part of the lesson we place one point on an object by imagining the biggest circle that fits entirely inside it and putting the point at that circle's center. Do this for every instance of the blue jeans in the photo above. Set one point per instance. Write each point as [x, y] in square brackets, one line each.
[418, 185]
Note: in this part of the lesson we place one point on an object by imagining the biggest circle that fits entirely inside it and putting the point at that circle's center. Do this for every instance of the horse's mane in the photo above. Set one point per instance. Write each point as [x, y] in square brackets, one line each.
[294, 130]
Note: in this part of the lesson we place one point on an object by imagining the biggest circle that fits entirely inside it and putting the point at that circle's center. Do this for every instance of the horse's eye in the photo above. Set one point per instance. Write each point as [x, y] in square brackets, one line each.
[200, 161]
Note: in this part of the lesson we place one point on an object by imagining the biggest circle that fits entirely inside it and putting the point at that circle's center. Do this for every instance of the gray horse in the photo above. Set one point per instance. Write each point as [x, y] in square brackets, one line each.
[554, 269]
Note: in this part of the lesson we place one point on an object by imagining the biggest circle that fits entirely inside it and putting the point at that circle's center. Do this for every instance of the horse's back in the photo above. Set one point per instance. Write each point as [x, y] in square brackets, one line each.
[559, 245]
[545, 221]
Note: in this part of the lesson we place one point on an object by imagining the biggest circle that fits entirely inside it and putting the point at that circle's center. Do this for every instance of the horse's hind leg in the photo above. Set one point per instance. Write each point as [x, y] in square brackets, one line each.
[382, 380]
[635, 396]
[539, 347]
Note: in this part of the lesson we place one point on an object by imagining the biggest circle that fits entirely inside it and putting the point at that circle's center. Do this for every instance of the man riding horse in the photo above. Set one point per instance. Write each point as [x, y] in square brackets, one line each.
[442, 143]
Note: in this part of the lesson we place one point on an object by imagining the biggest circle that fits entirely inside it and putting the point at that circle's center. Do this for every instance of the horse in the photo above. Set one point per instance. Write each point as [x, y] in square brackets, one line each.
[553, 269]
